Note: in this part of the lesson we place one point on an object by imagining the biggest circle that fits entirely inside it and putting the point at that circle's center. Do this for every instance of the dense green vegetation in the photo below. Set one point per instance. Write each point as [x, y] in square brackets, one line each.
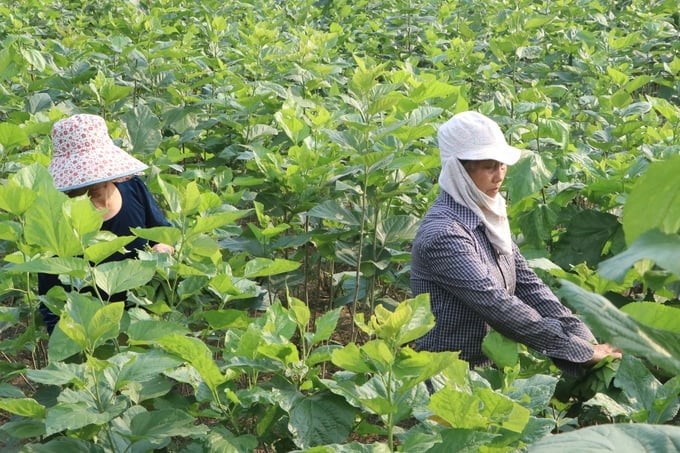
[292, 146]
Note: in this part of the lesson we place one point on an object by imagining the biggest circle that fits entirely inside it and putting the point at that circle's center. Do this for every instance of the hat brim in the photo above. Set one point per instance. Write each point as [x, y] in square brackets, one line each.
[103, 164]
[508, 155]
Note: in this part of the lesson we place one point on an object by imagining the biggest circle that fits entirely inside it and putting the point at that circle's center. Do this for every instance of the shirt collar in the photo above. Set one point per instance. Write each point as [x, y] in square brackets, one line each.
[464, 214]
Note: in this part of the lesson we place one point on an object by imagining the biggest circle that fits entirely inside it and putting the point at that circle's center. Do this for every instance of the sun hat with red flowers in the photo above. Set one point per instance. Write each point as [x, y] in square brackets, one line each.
[84, 154]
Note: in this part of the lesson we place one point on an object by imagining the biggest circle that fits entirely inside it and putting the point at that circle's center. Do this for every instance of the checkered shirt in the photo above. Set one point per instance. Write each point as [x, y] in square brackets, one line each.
[473, 289]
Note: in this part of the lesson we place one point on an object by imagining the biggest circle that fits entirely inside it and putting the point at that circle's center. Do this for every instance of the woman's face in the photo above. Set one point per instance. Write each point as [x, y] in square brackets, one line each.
[488, 175]
[93, 191]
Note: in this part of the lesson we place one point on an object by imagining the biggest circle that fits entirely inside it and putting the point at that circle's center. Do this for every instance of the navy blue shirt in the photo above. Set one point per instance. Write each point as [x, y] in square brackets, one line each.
[138, 210]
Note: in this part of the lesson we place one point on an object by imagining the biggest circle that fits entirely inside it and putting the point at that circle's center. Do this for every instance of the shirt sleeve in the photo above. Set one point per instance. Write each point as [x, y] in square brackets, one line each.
[457, 265]
[533, 291]
[153, 213]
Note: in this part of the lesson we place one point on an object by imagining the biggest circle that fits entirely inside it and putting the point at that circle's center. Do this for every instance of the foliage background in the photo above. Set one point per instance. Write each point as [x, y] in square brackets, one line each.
[292, 144]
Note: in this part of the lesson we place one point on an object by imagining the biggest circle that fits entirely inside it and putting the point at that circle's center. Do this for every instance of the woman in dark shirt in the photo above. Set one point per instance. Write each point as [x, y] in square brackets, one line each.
[464, 257]
[85, 161]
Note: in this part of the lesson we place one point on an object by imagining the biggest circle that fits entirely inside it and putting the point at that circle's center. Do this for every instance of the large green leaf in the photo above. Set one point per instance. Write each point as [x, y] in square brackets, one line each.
[585, 239]
[74, 266]
[462, 440]
[211, 222]
[16, 199]
[88, 323]
[397, 229]
[263, 267]
[620, 438]
[656, 315]
[103, 249]
[26, 407]
[331, 210]
[615, 327]
[47, 226]
[12, 135]
[197, 354]
[147, 331]
[165, 423]
[85, 218]
[141, 367]
[294, 127]
[320, 419]
[501, 350]
[143, 128]
[163, 234]
[654, 202]
[118, 276]
[73, 416]
[63, 444]
[325, 326]
[654, 245]
[527, 176]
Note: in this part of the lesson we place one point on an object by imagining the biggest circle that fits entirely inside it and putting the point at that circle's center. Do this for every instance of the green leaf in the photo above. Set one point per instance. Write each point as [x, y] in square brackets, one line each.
[410, 320]
[295, 128]
[458, 409]
[25, 429]
[58, 373]
[587, 234]
[325, 326]
[85, 218]
[212, 222]
[300, 311]
[25, 407]
[12, 135]
[47, 226]
[61, 346]
[503, 351]
[613, 326]
[227, 319]
[148, 331]
[264, 267]
[96, 253]
[165, 423]
[637, 383]
[331, 210]
[378, 355]
[76, 267]
[320, 419]
[616, 438]
[656, 315]
[15, 199]
[654, 202]
[161, 235]
[197, 354]
[350, 358]
[10, 231]
[527, 176]
[462, 440]
[413, 367]
[534, 393]
[118, 276]
[88, 323]
[72, 416]
[654, 245]
[396, 230]
[143, 129]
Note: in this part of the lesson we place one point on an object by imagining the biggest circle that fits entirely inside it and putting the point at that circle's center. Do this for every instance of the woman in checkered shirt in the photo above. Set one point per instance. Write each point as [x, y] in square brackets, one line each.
[464, 257]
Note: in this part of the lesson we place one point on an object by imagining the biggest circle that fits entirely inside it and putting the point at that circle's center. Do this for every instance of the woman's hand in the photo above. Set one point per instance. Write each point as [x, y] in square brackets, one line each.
[600, 351]
[163, 248]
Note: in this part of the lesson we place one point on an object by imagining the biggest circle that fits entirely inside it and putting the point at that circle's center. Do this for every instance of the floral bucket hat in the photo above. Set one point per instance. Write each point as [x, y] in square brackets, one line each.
[84, 154]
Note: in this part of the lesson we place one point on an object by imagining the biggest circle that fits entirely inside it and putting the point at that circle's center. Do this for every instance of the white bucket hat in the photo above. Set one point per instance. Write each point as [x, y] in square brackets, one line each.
[84, 154]
[473, 136]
